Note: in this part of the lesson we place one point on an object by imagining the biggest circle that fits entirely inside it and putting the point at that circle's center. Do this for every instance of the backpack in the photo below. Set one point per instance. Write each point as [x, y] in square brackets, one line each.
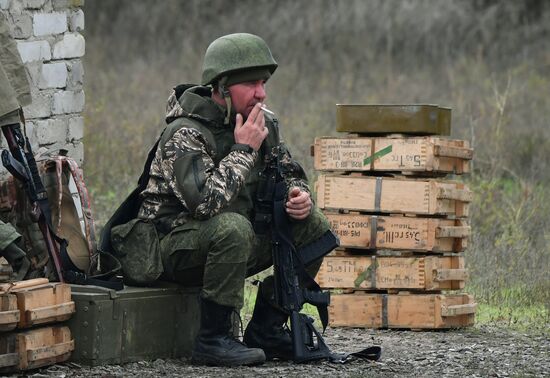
[72, 220]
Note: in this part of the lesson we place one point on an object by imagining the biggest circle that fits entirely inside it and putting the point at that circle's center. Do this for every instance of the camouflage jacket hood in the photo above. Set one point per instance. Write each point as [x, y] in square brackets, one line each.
[194, 101]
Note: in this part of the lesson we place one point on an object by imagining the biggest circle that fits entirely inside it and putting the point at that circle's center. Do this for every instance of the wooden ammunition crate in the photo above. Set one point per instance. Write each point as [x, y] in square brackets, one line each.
[35, 348]
[392, 272]
[9, 313]
[393, 195]
[415, 155]
[422, 119]
[426, 311]
[43, 303]
[399, 232]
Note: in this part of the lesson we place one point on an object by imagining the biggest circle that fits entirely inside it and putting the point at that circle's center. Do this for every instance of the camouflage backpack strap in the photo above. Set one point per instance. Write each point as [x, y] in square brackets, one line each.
[62, 162]
[74, 220]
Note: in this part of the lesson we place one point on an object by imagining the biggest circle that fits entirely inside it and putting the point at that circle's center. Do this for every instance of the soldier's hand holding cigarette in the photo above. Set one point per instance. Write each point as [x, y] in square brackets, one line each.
[253, 131]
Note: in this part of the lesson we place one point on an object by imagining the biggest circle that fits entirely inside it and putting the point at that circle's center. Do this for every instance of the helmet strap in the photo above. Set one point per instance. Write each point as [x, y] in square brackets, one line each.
[227, 97]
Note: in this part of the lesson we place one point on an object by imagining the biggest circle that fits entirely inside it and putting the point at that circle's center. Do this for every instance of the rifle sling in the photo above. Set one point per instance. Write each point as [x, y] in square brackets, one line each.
[318, 248]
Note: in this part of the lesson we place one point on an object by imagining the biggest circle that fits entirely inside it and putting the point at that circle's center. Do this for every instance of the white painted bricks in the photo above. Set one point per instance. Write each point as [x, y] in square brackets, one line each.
[22, 26]
[76, 21]
[35, 50]
[47, 33]
[33, 4]
[76, 74]
[68, 102]
[71, 46]
[50, 131]
[41, 106]
[76, 129]
[49, 23]
[54, 75]
[76, 151]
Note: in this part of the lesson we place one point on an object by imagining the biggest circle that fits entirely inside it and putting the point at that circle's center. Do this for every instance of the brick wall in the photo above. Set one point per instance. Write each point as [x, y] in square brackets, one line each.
[49, 40]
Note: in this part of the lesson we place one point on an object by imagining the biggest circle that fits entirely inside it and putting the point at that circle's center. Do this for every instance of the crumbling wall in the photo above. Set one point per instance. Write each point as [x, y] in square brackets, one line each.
[49, 40]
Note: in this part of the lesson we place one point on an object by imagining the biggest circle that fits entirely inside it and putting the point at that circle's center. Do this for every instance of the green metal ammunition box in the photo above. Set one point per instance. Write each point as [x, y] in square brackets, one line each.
[393, 119]
[136, 323]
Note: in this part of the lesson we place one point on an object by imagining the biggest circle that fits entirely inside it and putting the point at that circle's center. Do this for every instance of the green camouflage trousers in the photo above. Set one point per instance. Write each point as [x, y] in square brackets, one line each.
[219, 253]
[7, 235]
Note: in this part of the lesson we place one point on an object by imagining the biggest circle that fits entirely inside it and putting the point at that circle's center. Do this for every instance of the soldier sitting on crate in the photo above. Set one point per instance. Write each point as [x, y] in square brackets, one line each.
[14, 93]
[196, 219]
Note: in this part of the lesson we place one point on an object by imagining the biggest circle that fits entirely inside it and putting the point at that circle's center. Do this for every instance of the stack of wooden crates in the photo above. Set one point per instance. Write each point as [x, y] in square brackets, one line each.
[30, 333]
[402, 222]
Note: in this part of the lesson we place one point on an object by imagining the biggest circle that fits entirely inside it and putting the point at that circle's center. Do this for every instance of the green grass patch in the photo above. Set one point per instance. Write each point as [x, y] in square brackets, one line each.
[522, 318]
[533, 317]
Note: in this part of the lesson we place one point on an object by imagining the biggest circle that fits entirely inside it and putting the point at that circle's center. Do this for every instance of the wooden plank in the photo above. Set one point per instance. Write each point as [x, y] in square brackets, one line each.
[462, 152]
[409, 154]
[413, 311]
[442, 274]
[9, 313]
[58, 311]
[12, 286]
[44, 304]
[8, 352]
[393, 195]
[391, 272]
[9, 359]
[455, 310]
[50, 351]
[399, 232]
[44, 346]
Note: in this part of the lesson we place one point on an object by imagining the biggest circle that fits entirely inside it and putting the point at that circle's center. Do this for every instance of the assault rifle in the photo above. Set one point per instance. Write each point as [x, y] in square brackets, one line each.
[293, 285]
[19, 161]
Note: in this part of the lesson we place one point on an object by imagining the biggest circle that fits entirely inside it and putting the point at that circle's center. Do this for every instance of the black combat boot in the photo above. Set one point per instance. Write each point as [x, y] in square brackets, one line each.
[215, 345]
[267, 330]
[18, 261]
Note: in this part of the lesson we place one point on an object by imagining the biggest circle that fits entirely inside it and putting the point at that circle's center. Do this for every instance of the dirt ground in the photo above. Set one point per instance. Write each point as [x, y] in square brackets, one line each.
[481, 351]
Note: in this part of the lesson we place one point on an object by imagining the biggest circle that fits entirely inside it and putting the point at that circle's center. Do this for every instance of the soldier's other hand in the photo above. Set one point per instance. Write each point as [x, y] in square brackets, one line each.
[253, 131]
[299, 203]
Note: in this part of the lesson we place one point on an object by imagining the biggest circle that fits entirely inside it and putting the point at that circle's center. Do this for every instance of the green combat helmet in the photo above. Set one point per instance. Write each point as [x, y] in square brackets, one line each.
[236, 58]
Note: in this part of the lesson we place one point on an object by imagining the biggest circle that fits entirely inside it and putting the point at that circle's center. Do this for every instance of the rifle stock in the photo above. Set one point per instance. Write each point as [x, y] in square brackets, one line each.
[307, 342]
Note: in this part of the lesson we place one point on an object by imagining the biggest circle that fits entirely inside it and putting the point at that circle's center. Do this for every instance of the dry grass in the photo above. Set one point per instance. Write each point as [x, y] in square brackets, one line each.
[488, 60]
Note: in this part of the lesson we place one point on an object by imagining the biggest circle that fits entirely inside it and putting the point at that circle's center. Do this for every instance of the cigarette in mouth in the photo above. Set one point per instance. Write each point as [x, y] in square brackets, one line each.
[267, 110]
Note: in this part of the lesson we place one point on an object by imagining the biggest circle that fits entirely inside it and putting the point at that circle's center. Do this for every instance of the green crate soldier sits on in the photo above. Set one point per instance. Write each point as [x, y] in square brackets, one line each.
[196, 220]
[14, 93]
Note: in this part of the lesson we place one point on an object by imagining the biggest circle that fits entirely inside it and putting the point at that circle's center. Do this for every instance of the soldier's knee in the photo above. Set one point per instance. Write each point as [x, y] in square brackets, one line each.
[311, 228]
[233, 226]
[232, 231]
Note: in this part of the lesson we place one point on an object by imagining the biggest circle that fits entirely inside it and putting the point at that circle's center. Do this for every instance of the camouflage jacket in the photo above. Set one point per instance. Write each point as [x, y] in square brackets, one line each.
[196, 174]
[14, 85]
